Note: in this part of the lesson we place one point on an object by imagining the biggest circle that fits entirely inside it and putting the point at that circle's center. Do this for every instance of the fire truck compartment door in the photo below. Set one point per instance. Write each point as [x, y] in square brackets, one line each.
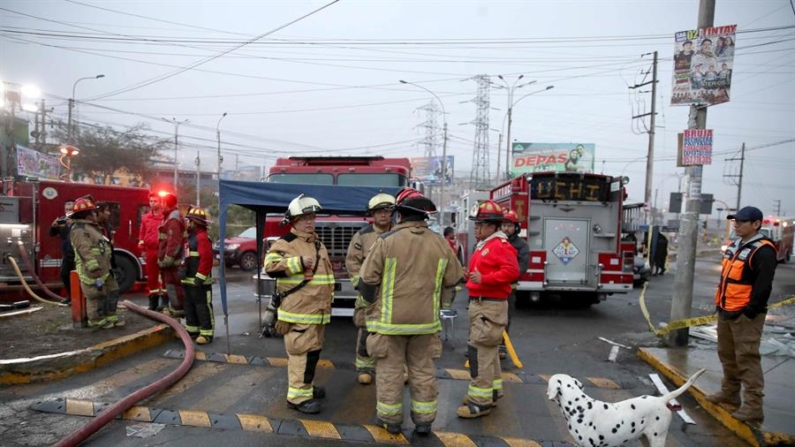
[566, 243]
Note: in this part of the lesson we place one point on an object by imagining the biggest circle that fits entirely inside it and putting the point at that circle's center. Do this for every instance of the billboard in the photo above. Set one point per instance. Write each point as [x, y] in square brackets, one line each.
[429, 170]
[703, 63]
[558, 157]
[32, 163]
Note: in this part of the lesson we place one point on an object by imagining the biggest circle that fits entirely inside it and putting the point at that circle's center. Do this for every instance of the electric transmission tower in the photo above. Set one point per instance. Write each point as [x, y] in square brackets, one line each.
[479, 177]
[431, 129]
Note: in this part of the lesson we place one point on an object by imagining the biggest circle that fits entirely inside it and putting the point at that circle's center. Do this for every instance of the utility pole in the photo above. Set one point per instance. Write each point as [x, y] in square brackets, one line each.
[198, 180]
[69, 121]
[777, 207]
[652, 122]
[499, 148]
[176, 146]
[686, 257]
[36, 128]
[739, 176]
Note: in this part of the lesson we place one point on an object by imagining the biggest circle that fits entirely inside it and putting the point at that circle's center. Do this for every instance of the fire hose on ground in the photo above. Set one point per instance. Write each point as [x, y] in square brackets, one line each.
[26, 259]
[83, 433]
[27, 287]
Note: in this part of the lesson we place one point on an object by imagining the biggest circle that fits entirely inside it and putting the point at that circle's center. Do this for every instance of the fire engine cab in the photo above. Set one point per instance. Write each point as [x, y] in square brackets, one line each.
[572, 222]
[28, 210]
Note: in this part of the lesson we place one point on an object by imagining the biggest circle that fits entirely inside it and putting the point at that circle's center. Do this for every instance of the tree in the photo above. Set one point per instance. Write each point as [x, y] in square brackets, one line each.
[105, 151]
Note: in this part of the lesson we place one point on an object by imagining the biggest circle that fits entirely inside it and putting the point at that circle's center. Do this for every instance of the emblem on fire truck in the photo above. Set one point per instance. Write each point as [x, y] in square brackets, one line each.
[566, 251]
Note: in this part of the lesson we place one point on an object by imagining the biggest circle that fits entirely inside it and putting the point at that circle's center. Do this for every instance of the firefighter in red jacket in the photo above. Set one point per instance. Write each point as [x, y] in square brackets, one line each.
[149, 245]
[492, 268]
[171, 234]
[198, 280]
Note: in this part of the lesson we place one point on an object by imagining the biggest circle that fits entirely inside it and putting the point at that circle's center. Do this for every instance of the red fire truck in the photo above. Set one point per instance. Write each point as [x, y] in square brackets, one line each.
[336, 232]
[27, 212]
[572, 223]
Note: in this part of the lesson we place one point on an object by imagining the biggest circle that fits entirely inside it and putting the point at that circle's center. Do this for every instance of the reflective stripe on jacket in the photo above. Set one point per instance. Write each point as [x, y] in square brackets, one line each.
[411, 265]
[736, 279]
[310, 304]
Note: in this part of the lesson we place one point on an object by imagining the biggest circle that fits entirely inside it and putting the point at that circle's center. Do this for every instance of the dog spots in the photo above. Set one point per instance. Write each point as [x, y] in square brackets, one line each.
[605, 406]
[657, 418]
[632, 406]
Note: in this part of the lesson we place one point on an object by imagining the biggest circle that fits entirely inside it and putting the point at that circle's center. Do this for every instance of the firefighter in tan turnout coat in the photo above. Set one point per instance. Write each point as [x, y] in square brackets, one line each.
[305, 289]
[402, 278]
[380, 208]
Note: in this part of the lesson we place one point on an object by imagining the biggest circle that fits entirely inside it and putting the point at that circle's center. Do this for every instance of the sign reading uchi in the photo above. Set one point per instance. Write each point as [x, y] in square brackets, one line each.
[697, 147]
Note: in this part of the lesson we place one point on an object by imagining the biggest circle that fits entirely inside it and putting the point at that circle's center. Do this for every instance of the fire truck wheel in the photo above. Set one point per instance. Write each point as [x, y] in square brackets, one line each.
[248, 261]
[126, 273]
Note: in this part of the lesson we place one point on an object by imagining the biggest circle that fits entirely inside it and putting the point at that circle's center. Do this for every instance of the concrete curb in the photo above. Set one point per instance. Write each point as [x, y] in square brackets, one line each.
[757, 438]
[58, 366]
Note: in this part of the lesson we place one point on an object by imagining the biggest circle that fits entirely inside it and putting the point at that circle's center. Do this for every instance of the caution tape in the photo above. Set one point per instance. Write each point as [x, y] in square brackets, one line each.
[696, 321]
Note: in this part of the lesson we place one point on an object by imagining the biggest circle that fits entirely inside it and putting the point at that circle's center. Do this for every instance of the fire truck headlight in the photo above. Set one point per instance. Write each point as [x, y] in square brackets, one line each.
[597, 228]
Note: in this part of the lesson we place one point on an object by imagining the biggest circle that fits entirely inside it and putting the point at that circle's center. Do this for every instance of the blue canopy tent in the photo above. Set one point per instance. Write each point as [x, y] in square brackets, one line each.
[266, 198]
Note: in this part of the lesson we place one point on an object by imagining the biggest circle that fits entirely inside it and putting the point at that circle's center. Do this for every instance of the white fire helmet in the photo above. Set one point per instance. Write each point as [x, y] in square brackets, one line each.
[299, 206]
[380, 201]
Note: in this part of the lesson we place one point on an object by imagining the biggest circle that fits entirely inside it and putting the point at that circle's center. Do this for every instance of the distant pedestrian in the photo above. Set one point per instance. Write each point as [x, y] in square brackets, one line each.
[660, 255]
[746, 280]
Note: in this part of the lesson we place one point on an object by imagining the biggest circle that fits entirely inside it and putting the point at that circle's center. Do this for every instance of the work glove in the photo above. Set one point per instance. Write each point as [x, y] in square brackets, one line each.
[166, 262]
[198, 282]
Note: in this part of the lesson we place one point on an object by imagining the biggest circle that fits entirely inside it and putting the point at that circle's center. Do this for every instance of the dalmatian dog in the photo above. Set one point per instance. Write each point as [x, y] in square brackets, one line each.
[594, 423]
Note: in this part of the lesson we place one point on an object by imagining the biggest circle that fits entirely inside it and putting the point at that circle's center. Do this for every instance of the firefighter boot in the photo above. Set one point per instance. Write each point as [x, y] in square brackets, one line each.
[310, 406]
[163, 302]
[422, 429]
[729, 394]
[318, 392]
[472, 411]
[153, 299]
[393, 429]
[365, 377]
[751, 411]
[204, 339]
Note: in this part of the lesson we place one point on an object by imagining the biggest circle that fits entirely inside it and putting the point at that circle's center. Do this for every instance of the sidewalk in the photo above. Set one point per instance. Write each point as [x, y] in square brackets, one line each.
[779, 428]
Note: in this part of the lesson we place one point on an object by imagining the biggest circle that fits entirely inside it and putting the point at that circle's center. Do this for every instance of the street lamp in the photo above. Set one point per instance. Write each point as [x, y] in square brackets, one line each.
[218, 135]
[67, 152]
[510, 120]
[511, 89]
[176, 145]
[72, 105]
[444, 151]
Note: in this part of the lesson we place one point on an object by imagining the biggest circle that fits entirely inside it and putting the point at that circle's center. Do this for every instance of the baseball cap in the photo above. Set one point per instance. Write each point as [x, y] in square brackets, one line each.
[751, 213]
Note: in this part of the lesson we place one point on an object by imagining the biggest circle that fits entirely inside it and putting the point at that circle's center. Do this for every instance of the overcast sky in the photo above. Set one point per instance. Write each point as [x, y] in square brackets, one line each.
[329, 83]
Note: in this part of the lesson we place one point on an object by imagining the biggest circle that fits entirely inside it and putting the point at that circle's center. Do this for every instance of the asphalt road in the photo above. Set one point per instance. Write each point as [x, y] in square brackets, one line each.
[548, 340]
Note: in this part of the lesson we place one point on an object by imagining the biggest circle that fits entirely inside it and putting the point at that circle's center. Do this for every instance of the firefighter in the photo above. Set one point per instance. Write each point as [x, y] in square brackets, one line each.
[171, 243]
[93, 257]
[492, 269]
[197, 279]
[511, 228]
[305, 288]
[103, 221]
[402, 280]
[149, 245]
[380, 208]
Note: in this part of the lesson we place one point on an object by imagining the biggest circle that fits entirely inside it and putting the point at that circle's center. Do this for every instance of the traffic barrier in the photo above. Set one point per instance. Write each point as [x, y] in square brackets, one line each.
[79, 312]
[695, 321]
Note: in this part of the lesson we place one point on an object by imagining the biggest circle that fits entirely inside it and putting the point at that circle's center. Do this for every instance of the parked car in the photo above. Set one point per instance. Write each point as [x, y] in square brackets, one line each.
[240, 250]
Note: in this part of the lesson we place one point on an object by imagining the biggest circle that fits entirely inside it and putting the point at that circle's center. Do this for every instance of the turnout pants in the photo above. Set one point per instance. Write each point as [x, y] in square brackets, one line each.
[199, 317]
[173, 285]
[393, 354]
[98, 309]
[303, 344]
[364, 363]
[153, 273]
[738, 351]
[487, 320]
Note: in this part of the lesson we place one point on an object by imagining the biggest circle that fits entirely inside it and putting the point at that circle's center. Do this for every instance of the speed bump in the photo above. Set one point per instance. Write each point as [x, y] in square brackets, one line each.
[311, 429]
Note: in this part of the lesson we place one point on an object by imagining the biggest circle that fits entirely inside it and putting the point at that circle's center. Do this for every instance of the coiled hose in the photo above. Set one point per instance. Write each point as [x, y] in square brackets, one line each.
[102, 419]
[27, 287]
[26, 259]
